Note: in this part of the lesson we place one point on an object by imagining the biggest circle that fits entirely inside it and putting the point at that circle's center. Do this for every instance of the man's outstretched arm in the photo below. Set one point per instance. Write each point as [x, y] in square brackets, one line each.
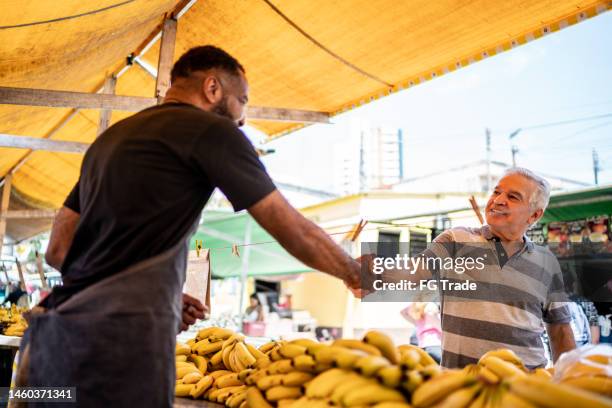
[303, 239]
[62, 234]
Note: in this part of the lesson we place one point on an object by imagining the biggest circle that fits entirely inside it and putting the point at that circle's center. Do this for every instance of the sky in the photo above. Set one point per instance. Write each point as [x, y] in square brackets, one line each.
[561, 77]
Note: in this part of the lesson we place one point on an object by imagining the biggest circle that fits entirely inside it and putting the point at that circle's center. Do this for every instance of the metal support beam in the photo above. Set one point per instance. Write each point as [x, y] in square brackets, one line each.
[64, 99]
[4, 205]
[36, 143]
[166, 58]
[105, 114]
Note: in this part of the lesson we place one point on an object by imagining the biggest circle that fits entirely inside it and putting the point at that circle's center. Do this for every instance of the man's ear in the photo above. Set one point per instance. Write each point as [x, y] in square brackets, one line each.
[536, 215]
[211, 87]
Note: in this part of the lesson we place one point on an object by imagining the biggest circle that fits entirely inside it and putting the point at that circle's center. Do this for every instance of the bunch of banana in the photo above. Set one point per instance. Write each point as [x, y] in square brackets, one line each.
[591, 373]
[17, 328]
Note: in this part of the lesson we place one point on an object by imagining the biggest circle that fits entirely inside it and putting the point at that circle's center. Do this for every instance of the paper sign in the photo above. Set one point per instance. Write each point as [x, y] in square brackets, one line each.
[197, 281]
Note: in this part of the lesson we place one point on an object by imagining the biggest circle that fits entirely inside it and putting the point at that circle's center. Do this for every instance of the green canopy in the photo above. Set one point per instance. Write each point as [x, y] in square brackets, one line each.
[219, 230]
[579, 205]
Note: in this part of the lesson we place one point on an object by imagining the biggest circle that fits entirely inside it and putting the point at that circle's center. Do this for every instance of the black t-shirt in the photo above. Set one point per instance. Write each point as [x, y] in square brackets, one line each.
[144, 183]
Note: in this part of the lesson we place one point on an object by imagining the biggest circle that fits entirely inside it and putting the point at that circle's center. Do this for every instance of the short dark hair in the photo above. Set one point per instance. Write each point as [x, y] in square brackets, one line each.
[204, 58]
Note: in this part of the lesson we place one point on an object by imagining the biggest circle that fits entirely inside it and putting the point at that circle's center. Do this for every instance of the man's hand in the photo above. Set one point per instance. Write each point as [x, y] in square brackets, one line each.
[193, 309]
[367, 276]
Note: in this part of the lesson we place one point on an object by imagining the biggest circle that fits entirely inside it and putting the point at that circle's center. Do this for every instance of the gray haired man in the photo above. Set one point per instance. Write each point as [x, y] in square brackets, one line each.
[523, 274]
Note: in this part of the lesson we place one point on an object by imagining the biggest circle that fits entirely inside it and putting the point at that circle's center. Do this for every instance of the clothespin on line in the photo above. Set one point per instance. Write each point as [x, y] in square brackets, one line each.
[235, 250]
[198, 247]
[476, 209]
[358, 228]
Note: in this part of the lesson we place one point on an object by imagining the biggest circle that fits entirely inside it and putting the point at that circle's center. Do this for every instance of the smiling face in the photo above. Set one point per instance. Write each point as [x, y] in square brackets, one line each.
[509, 212]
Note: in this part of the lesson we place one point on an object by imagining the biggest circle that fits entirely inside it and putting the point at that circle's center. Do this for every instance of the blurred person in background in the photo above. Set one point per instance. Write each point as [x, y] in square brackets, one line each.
[426, 319]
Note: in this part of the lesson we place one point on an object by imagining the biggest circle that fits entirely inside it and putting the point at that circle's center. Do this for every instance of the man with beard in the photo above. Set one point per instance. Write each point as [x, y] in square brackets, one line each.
[120, 239]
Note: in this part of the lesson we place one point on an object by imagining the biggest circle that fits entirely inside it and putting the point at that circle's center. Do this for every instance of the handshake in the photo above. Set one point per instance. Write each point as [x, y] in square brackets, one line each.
[360, 280]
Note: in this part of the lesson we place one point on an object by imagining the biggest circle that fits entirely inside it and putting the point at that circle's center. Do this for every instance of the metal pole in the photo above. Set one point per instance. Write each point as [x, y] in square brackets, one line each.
[245, 264]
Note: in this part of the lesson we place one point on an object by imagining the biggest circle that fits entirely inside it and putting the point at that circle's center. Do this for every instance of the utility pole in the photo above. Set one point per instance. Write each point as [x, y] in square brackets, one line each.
[488, 139]
[596, 168]
[514, 149]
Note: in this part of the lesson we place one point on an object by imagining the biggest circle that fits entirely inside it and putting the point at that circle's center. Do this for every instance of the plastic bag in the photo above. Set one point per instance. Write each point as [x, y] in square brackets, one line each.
[588, 360]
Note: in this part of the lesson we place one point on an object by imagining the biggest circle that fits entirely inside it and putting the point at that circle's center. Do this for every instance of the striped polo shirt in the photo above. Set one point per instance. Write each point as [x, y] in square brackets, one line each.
[511, 305]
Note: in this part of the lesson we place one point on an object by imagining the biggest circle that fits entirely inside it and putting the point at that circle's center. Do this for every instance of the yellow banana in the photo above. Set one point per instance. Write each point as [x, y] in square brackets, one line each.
[425, 359]
[304, 363]
[220, 333]
[244, 356]
[184, 364]
[371, 394]
[227, 351]
[370, 365]
[267, 347]
[235, 361]
[542, 373]
[392, 404]
[348, 357]
[191, 342]
[270, 381]
[323, 385]
[183, 390]
[219, 373]
[255, 399]
[201, 386]
[285, 403]
[296, 379]
[600, 385]
[281, 392]
[435, 389]
[263, 362]
[255, 376]
[503, 369]
[229, 391]
[245, 373]
[481, 400]
[291, 350]
[512, 400]
[460, 398]
[548, 394]
[383, 343]
[357, 345]
[352, 381]
[203, 347]
[181, 358]
[182, 371]
[228, 380]
[217, 359]
[413, 380]
[192, 378]
[488, 376]
[281, 367]
[255, 352]
[182, 349]
[204, 333]
[327, 354]
[236, 399]
[506, 355]
[431, 371]
[409, 359]
[391, 376]
[200, 362]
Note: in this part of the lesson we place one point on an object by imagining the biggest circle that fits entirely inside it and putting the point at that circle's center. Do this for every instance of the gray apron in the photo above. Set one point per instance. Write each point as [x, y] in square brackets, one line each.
[115, 340]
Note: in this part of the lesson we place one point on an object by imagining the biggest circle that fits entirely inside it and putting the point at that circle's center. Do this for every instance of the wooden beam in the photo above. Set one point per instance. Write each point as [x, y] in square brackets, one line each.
[286, 115]
[36, 143]
[105, 114]
[79, 100]
[63, 99]
[29, 214]
[166, 58]
[41, 271]
[4, 205]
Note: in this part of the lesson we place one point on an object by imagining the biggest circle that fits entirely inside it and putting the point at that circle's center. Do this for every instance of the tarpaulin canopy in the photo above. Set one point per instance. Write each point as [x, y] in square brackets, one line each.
[313, 55]
[579, 205]
[219, 231]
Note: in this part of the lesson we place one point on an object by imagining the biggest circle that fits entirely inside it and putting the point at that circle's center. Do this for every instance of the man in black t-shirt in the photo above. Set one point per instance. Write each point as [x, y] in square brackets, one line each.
[143, 185]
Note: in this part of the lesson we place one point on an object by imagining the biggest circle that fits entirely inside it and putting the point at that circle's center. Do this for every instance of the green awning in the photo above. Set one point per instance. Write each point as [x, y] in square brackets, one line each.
[579, 205]
[220, 230]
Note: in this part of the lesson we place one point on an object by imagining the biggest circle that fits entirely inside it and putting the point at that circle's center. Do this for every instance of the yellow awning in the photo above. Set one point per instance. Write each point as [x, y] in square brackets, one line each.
[299, 54]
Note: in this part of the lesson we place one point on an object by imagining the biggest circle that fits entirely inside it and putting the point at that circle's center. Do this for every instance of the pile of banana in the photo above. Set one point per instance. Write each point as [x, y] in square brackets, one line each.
[591, 372]
[12, 321]
[219, 366]
[500, 379]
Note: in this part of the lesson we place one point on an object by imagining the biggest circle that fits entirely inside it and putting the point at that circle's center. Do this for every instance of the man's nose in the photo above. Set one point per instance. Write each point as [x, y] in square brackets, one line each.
[500, 199]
